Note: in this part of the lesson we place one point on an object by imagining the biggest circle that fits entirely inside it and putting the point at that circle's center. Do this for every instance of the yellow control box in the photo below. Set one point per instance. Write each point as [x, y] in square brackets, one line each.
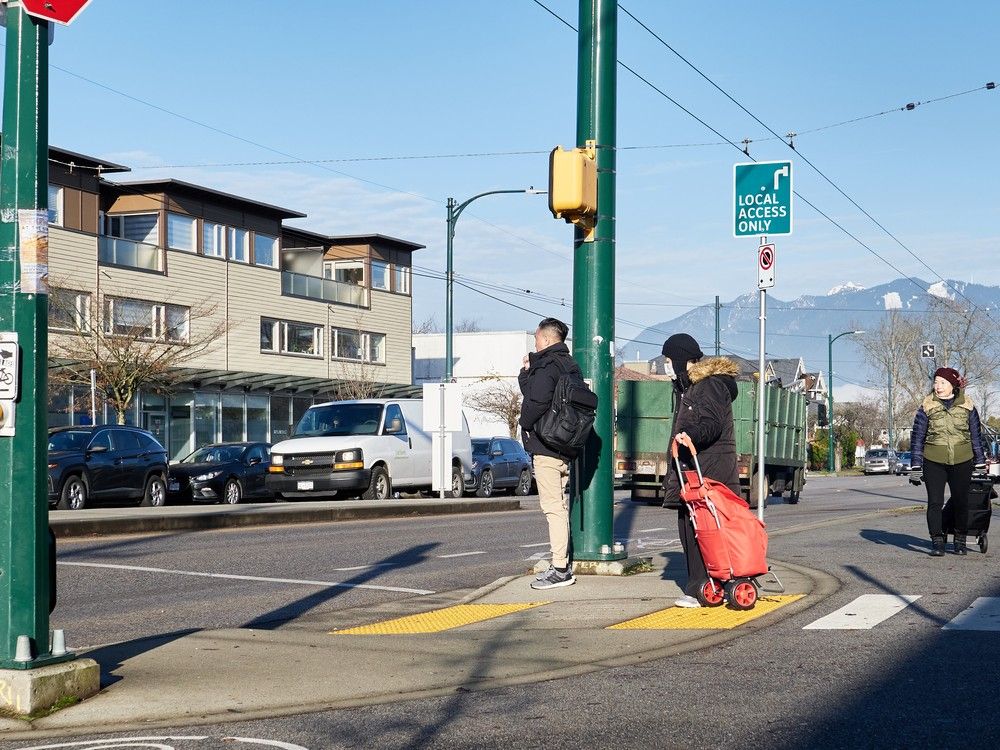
[573, 183]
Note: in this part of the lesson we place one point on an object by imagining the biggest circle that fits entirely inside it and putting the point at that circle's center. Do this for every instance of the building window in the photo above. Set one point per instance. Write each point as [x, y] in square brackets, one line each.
[345, 271]
[239, 245]
[213, 240]
[136, 227]
[55, 205]
[286, 337]
[265, 250]
[180, 232]
[380, 275]
[402, 274]
[146, 320]
[358, 346]
[69, 311]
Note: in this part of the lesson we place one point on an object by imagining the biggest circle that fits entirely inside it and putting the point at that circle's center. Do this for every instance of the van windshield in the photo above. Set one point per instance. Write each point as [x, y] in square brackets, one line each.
[339, 419]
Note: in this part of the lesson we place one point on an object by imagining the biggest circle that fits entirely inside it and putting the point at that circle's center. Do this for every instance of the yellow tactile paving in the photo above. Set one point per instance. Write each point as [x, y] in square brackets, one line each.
[439, 620]
[705, 618]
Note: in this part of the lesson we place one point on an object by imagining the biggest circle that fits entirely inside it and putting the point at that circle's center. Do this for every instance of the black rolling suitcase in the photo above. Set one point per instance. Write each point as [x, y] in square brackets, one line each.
[981, 494]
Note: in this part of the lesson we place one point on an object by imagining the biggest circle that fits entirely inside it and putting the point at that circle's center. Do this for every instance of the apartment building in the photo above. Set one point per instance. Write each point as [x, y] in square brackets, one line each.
[300, 314]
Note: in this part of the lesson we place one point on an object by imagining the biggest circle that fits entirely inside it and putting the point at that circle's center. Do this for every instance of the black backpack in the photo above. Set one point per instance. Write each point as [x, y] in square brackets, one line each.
[566, 426]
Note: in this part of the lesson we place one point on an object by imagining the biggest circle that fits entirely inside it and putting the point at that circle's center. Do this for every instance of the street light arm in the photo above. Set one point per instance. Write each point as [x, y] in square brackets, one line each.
[456, 212]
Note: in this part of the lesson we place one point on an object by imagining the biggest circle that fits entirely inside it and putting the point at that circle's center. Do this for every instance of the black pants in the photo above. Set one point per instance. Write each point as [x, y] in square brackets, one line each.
[957, 478]
[697, 576]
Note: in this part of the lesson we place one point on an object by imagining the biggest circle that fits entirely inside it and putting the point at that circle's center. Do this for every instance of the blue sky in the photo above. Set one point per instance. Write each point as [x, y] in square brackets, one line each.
[354, 80]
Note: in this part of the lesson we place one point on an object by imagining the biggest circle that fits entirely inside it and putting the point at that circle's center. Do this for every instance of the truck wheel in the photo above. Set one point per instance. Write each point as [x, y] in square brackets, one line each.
[793, 497]
[380, 486]
[73, 495]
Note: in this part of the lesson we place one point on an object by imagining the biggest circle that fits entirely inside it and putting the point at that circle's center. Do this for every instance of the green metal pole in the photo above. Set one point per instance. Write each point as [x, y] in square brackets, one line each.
[24, 564]
[592, 488]
[829, 400]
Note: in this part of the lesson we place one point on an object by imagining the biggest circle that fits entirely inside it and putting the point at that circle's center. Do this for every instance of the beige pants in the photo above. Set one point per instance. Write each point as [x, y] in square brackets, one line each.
[552, 476]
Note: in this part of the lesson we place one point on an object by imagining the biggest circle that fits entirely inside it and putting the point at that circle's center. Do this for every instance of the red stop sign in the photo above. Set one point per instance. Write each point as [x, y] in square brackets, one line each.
[60, 11]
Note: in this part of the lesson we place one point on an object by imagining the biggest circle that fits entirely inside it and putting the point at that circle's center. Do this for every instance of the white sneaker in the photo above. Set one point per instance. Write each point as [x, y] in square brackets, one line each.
[688, 602]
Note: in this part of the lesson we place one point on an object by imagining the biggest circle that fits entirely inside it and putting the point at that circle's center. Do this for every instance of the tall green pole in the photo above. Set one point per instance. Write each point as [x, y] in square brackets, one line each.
[592, 515]
[24, 564]
[829, 401]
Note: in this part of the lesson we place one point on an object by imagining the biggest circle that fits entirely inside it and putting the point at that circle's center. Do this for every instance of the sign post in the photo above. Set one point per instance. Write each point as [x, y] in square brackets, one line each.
[443, 418]
[762, 205]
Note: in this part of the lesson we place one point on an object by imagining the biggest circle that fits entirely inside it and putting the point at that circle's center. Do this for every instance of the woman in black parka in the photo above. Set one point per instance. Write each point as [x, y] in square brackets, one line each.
[704, 392]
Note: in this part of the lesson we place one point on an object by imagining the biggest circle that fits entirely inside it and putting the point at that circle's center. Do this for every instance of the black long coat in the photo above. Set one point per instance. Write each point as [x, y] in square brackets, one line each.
[705, 412]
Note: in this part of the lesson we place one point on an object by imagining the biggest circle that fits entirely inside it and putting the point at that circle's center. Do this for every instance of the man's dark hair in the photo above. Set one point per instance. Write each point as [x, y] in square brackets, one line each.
[556, 326]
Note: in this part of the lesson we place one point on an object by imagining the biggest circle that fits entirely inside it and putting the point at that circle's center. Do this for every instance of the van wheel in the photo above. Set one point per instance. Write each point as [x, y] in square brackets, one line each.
[155, 495]
[457, 483]
[380, 486]
[73, 495]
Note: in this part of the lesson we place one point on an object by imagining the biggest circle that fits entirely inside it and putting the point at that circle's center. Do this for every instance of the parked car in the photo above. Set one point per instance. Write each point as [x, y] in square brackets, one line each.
[106, 462]
[221, 473]
[903, 459]
[880, 461]
[500, 463]
[369, 447]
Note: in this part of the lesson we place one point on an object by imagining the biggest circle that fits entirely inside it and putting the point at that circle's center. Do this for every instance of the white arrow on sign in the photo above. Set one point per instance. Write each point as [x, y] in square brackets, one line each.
[783, 172]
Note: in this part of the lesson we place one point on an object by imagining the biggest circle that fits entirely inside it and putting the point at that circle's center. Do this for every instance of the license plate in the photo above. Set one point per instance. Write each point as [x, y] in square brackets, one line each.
[304, 485]
[173, 487]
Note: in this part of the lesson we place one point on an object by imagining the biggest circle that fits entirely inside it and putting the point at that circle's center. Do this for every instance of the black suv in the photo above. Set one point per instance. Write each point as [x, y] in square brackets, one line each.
[107, 462]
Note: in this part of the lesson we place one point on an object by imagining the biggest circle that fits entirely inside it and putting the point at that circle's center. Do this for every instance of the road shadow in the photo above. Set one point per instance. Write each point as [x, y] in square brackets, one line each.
[113, 657]
[287, 612]
[902, 541]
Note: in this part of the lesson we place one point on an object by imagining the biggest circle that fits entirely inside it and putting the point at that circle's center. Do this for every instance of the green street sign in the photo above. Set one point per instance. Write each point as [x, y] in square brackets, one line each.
[762, 194]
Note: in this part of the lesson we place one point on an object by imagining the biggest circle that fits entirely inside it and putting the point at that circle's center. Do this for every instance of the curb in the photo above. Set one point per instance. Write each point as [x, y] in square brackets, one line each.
[152, 521]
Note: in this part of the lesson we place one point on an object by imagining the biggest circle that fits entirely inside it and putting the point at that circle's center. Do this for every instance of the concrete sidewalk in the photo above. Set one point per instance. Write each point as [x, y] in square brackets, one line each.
[503, 634]
[101, 521]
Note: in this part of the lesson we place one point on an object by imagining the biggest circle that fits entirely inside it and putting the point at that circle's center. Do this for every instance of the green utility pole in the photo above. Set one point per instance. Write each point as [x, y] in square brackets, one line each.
[592, 515]
[24, 559]
[829, 397]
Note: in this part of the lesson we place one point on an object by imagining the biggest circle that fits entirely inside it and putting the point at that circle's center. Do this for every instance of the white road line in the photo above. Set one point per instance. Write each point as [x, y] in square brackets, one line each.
[649, 531]
[982, 614]
[528, 546]
[863, 613]
[262, 579]
[461, 554]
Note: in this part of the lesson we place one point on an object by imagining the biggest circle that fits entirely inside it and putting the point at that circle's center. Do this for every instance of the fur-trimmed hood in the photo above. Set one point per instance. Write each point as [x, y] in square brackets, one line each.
[713, 366]
[721, 367]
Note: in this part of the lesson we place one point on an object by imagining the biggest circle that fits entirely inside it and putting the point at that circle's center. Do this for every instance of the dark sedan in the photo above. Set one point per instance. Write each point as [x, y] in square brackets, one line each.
[500, 463]
[221, 473]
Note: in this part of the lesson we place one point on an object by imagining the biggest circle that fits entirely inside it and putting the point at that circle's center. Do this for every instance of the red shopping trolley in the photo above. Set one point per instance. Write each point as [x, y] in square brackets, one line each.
[732, 540]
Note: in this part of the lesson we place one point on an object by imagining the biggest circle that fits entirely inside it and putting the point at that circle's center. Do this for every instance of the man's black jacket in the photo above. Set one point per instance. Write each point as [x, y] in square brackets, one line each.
[538, 383]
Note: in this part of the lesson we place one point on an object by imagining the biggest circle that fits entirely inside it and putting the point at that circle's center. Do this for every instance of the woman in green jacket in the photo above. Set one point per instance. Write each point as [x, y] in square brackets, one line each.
[945, 443]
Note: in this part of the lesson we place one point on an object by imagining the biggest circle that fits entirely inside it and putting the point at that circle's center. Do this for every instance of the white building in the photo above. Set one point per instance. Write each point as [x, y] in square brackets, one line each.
[488, 359]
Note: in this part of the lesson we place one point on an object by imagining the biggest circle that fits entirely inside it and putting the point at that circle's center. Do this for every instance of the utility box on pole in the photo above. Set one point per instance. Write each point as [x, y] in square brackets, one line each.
[573, 185]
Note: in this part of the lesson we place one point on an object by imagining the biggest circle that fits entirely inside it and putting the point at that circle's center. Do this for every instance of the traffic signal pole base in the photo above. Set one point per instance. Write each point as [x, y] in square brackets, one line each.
[28, 692]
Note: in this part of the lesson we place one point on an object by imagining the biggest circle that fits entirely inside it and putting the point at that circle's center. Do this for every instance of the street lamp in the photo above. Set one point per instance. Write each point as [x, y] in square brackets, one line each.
[829, 385]
[454, 211]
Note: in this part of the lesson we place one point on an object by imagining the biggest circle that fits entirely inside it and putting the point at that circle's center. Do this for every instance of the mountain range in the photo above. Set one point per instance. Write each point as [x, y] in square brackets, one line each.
[799, 328]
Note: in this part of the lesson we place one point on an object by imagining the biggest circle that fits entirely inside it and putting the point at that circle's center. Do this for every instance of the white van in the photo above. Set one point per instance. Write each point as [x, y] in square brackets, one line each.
[370, 447]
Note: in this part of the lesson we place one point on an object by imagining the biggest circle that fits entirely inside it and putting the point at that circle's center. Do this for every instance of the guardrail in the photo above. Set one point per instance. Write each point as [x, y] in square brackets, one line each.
[327, 290]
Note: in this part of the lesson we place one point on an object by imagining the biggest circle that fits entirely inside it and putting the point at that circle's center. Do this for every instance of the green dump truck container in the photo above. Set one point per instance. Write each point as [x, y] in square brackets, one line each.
[643, 426]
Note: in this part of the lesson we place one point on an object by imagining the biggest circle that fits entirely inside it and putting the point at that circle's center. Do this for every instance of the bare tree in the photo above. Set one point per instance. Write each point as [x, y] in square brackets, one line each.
[468, 325]
[358, 377]
[429, 325]
[130, 345]
[497, 398]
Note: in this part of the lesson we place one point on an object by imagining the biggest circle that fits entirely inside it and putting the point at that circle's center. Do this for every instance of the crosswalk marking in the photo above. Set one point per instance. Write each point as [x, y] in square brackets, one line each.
[982, 614]
[863, 613]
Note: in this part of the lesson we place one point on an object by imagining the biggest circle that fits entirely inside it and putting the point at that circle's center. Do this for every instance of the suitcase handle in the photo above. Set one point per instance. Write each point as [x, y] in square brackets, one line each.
[689, 444]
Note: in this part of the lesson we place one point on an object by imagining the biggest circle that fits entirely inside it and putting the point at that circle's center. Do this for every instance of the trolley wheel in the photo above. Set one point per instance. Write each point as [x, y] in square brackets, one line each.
[742, 594]
[984, 544]
[711, 594]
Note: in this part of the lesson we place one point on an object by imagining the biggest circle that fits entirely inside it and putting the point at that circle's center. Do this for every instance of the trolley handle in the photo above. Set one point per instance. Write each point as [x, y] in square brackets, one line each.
[686, 441]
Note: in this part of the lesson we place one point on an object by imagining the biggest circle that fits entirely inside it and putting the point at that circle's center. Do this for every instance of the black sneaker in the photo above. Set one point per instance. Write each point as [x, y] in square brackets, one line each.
[553, 579]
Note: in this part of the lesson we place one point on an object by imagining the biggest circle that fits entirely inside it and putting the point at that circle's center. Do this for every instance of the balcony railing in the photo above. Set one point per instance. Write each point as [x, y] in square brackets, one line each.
[327, 290]
[114, 251]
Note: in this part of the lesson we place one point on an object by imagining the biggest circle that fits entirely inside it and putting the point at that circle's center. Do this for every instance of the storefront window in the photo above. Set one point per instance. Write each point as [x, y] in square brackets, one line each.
[257, 419]
[206, 418]
[281, 426]
[232, 417]
[181, 439]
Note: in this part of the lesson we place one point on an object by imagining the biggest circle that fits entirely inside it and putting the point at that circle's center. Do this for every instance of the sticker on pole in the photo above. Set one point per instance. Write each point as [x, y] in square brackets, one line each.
[762, 198]
[9, 358]
[765, 266]
[33, 246]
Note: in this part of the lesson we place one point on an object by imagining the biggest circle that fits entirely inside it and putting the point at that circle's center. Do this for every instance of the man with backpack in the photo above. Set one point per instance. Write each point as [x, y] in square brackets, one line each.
[539, 378]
